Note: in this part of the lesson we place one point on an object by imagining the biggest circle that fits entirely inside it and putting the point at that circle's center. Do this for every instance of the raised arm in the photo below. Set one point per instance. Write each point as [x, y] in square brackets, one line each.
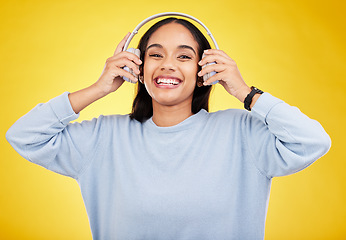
[110, 79]
[45, 136]
[280, 138]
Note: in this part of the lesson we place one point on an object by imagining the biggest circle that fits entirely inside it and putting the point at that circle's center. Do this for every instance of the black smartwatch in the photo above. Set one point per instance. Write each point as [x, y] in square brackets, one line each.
[248, 99]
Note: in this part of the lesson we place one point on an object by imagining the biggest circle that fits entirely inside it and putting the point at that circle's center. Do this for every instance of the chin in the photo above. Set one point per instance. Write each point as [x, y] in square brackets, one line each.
[165, 99]
[171, 97]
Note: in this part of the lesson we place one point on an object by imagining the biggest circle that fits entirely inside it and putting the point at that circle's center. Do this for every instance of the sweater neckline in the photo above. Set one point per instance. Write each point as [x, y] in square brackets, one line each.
[189, 122]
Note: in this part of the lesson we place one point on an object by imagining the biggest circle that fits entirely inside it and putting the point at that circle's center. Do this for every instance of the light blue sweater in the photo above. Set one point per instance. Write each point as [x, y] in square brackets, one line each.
[206, 178]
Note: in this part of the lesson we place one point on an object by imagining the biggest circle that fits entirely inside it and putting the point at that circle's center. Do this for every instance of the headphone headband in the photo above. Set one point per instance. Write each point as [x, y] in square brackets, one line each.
[135, 31]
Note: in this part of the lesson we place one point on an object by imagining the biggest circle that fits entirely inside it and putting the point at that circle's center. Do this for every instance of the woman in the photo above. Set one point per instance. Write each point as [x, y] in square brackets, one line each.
[170, 169]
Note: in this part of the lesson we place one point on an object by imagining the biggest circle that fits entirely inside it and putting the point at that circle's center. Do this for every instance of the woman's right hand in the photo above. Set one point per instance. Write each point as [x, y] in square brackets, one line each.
[111, 77]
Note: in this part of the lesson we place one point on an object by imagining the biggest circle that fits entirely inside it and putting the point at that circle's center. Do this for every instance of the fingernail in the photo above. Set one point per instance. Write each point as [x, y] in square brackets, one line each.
[206, 50]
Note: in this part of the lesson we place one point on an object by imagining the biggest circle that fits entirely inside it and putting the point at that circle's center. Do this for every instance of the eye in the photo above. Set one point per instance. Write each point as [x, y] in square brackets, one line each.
[184, 57]
[155, 55]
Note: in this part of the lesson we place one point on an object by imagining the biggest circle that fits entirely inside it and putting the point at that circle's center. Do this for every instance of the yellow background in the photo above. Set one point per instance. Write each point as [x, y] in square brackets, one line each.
[293, 49]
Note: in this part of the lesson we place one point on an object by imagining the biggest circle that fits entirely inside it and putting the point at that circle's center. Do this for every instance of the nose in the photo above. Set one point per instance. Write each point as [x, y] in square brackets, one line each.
[168, 64]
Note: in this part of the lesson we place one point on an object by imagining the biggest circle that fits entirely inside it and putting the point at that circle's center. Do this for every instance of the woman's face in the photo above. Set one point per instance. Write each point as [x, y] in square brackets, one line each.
[170, 66]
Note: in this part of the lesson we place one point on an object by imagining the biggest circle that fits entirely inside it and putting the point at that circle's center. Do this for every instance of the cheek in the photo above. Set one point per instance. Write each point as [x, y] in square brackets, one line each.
[145, 72]
[191, 72]
[148, 68]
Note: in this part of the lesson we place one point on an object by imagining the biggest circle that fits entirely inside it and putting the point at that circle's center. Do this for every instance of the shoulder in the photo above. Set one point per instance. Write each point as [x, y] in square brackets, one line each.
[240, 119]
[229, 115]
[107, 122]
[121, 119]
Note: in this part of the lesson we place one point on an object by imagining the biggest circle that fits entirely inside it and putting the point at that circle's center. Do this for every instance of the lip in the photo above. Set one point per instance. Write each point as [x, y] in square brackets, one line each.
[168, 86]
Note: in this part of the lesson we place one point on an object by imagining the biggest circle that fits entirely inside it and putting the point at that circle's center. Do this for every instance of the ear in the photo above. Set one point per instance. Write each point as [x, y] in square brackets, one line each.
[200, 82]
[141, 75]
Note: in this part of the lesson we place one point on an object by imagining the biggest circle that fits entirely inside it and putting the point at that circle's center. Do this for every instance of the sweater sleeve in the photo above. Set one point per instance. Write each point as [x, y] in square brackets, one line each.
[44, 136]
[282, 139]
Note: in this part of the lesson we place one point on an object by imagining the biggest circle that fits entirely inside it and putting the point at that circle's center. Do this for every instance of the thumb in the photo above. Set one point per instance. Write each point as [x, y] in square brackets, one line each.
[121, 44]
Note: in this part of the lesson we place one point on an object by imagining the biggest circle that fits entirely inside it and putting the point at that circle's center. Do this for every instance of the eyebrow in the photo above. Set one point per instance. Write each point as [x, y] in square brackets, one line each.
[180, 46]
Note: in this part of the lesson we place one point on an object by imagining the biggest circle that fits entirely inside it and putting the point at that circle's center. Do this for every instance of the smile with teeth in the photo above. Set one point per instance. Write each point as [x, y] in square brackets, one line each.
[167, 81]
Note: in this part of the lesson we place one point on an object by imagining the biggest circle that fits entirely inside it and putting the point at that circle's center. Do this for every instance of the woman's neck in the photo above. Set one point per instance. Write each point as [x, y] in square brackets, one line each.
[167, 116]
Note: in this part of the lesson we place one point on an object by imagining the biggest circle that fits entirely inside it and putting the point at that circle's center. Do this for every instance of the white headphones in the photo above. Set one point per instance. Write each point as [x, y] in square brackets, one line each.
[137, 51]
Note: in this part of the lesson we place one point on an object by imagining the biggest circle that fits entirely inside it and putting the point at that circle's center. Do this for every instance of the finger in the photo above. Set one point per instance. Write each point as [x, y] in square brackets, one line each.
[216, 77]
[119, 72]
[208, 54]
[121, 44]
[126, 55]
[212, 68]
[217, 52]
[133, 67]
[215, 58]
[122, 62]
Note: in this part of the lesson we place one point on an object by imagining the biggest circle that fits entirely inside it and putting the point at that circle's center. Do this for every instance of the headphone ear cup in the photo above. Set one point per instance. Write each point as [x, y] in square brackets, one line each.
[208, 75]
[138, 53]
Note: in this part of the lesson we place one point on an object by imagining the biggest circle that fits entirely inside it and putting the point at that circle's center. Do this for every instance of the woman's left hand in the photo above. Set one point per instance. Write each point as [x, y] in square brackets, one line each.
[227, 73]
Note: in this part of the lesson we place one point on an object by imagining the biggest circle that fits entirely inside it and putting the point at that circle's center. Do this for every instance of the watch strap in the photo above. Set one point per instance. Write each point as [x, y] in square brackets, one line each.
[248, 99]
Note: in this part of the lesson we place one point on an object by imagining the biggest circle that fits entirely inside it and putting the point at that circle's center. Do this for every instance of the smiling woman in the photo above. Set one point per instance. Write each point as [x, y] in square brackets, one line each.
[170, 61]
[144, 175]
[188, 44]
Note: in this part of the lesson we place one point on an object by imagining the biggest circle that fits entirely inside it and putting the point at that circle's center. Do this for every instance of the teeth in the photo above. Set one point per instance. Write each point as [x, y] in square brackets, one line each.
[167, 81]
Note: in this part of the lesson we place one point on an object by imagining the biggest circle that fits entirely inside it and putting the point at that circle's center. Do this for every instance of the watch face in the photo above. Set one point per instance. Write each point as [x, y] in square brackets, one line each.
[257, 90]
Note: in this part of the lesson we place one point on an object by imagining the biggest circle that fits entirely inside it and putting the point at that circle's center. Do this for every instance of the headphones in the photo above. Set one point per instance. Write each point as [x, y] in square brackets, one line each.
[137, 51]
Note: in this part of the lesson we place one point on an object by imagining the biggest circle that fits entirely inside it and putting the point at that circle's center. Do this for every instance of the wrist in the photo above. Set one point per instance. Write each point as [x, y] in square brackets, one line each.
[244, 91]
[97, 90]
[84, 97]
